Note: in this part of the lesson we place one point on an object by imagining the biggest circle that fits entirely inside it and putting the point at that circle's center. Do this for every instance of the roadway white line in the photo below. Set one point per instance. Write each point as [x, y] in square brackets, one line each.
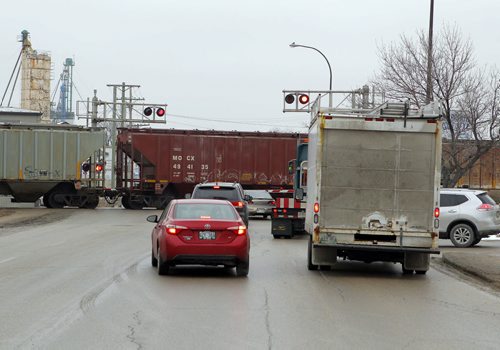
[9, 259]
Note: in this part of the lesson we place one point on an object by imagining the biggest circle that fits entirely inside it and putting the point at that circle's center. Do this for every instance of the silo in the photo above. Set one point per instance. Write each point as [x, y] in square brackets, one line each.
[35, 79]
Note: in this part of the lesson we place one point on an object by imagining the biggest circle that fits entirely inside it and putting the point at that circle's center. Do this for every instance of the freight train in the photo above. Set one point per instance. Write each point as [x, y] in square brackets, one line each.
[61, 163]
[155, 165]
[65, 164]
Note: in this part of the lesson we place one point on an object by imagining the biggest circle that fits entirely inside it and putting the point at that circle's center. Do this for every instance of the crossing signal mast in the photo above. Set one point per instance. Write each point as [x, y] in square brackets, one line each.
[124, 111]
[304, 100]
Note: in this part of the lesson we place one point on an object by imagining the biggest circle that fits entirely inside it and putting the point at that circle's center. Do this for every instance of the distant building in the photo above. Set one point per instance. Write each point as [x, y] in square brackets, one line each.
[35, 79]
[19, 116]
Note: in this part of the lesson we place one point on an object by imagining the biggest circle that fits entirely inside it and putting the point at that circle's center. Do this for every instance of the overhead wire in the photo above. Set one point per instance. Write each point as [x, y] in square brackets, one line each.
[10, 79]
[226, 121]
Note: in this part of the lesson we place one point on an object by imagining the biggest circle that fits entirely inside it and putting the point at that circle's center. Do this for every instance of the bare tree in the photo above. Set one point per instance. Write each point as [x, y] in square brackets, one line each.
[470, 97]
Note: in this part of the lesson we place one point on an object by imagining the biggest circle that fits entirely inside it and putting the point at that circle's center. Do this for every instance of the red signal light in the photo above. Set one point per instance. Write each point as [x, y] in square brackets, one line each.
[160, 112]
[99, 167]
[304, 99]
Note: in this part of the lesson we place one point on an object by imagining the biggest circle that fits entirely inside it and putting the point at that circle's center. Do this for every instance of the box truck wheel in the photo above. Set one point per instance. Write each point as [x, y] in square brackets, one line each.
[310, 265]
[407, 271]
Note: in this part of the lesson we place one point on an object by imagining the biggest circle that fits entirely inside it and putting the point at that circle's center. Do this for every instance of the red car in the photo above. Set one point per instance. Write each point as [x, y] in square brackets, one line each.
[199, 232]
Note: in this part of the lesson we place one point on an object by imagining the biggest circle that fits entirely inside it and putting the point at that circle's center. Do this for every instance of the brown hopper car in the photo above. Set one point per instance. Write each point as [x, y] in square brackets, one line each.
[157, 165]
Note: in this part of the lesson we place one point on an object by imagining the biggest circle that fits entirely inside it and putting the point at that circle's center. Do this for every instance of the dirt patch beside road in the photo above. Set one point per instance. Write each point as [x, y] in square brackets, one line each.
[18, 217]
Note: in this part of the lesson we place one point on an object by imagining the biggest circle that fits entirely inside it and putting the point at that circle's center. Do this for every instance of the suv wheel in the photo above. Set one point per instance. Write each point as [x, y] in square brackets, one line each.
[462, 236]
[477, 240]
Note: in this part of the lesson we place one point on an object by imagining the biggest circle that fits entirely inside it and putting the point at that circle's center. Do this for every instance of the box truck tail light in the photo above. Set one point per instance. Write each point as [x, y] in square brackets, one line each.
[175, 229]
[316, 207]
[237, 204]
[436, 212]
[239, 230]
[485, 207]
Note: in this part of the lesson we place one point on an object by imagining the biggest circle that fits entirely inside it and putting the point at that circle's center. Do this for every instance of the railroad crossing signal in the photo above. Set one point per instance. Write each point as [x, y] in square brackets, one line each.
[300, 97]
[160, 111]
[297, 101]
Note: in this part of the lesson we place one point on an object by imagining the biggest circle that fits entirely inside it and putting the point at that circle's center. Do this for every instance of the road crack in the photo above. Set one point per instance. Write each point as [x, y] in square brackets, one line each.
[340, 291]
[268, 323]
[131, 336]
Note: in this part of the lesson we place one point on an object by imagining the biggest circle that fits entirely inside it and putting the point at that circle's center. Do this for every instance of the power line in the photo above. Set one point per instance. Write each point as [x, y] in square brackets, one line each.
[228, 121]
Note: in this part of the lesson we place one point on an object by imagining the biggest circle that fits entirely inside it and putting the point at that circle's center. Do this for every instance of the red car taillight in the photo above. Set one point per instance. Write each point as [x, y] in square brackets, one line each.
[239, 230]
[485, 207]
[237, 204]
[174, 229]
[271, 202]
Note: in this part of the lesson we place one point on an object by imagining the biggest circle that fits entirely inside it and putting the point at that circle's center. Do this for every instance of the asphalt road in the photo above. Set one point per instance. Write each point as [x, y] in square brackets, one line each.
[86, 282]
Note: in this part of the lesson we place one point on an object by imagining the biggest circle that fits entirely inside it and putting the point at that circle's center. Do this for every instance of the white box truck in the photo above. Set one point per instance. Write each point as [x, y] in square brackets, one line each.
[373, 186]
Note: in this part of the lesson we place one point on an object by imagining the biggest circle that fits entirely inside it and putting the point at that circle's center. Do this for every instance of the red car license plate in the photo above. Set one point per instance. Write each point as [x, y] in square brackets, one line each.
[206, 235]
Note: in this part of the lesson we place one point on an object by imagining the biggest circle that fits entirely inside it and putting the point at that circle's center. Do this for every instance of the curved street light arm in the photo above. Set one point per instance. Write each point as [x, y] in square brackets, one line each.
[321, 53]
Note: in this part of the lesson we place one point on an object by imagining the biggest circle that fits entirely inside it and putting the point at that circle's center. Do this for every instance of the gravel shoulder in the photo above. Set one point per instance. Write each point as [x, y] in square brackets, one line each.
[18, 217]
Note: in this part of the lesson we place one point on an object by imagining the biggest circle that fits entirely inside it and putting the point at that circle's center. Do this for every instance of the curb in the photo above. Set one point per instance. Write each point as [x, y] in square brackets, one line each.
[469, 271]
[493, 284]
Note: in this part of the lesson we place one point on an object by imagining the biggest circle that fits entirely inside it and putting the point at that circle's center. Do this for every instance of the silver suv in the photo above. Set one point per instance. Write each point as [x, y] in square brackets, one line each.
[232, 192]
[467, 215]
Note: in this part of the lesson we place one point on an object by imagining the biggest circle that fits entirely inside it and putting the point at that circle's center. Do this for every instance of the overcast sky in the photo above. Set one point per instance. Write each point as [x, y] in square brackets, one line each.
[224, 63]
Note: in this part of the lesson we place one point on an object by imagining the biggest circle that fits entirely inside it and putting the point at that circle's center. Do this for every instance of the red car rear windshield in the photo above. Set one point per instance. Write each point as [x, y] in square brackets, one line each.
[196, 211]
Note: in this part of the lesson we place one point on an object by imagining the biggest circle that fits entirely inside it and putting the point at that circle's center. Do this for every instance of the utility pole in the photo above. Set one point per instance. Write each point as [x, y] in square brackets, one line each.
[428, 97]
[123, 89]
[139, 112]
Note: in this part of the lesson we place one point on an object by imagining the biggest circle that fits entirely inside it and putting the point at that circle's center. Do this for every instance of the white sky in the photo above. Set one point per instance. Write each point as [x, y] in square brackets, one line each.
[229, 60]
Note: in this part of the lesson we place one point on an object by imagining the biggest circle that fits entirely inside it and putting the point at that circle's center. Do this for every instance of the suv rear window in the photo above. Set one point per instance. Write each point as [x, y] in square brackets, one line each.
[451, 200]
[483, 197]
[227, 193]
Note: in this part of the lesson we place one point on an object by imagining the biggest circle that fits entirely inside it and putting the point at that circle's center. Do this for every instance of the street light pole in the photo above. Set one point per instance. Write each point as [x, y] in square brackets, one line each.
[292, 45]
[428, 97]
